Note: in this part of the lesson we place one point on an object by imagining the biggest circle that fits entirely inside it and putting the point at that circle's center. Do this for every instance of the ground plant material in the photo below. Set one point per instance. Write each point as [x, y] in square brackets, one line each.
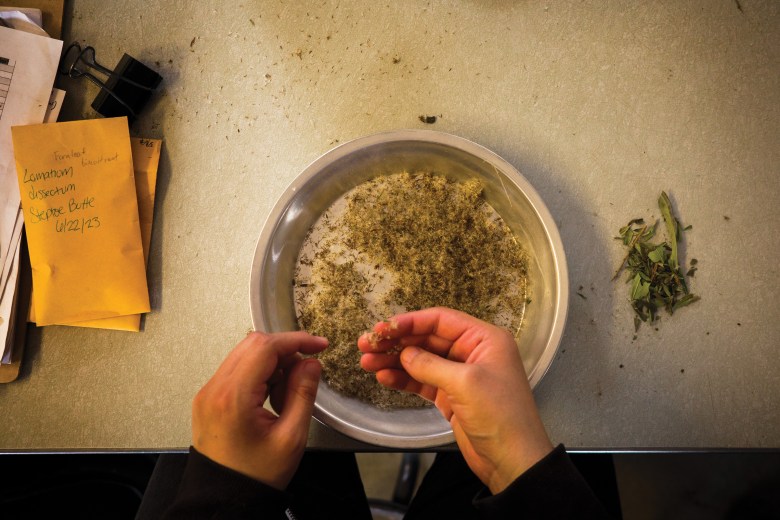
[654, 269]
[403, 242]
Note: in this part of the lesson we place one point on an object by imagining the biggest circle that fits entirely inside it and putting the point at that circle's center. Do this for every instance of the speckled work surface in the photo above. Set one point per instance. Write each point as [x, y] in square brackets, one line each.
[599, 104]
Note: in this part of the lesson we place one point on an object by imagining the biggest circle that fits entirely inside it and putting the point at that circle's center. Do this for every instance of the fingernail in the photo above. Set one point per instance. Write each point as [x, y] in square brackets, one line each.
[312, 368]
[409, 353]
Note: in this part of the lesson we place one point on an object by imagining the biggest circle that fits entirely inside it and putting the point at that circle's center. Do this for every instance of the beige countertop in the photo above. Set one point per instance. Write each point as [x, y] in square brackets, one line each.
[601, 105]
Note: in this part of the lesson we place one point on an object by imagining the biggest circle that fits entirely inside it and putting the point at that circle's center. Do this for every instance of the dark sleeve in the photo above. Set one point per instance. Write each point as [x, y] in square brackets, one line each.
[552, 488]
[209, 490]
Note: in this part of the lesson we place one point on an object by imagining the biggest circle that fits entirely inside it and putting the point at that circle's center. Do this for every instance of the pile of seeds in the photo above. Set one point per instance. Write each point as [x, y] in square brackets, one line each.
[404, 242]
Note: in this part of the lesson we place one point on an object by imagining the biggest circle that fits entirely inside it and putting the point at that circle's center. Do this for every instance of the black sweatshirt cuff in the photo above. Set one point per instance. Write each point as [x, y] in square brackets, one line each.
[211, 490]
[552, 485]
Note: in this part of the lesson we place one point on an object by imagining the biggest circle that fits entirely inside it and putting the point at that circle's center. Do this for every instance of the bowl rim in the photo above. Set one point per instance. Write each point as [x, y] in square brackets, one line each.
[561, 299]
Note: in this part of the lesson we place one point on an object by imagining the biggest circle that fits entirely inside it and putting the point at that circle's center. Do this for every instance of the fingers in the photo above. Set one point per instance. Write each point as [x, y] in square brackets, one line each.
[286, 343]
[430, 369]
[230, 424]
[277, 384]
[259, 355]
[386, 353]
[234, 357]
[369, 344]
[255, 340]
[444, 323]
[444, 333]
[298, 405]
[377, 362]
[400, 380]
[439, 330]
[376, 342]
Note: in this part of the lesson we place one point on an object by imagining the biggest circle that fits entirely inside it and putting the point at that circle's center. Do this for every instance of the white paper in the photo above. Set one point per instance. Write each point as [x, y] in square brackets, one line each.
[28, 64]
[6, 269]
[29, 14]
[55, 105]
[27, 20]
[8, 312]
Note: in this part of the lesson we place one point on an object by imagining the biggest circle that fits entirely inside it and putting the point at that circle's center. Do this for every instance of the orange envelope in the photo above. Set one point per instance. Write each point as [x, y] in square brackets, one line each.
[146, 158]
[81, 218]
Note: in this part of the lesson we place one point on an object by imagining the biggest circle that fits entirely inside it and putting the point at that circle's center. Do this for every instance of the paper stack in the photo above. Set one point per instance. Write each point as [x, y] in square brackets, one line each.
[28, 64]
[87, 192]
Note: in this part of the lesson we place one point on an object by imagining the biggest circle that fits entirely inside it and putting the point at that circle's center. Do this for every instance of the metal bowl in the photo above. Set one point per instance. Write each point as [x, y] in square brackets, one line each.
[346, 166]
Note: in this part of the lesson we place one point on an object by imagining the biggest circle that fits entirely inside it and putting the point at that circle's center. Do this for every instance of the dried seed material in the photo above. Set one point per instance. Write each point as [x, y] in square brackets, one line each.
[403, 242]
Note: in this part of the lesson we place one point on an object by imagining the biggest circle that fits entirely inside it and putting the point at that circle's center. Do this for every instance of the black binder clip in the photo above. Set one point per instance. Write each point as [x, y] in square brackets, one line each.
[127, 89]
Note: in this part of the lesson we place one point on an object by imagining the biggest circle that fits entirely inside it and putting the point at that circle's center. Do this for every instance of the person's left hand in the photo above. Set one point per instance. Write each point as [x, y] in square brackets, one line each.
[230, 425]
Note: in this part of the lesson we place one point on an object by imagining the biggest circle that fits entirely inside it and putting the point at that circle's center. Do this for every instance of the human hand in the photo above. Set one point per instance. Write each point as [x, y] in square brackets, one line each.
[230, 425]
[472, 371]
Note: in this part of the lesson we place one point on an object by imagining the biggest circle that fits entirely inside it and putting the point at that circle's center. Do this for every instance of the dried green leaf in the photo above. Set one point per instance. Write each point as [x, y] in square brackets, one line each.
[640, 289]
[681, 281]
[685, 300]
[671, 227]
[654, 272]
[650, 231]
[657, 254]
[635, 282]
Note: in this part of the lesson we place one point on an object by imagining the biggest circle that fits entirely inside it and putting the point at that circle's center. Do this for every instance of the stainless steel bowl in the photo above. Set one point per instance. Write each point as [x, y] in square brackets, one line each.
[346, 166]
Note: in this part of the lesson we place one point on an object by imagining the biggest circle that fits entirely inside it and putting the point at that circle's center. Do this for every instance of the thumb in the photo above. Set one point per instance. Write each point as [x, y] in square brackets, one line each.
[428, 368]
[299, 401]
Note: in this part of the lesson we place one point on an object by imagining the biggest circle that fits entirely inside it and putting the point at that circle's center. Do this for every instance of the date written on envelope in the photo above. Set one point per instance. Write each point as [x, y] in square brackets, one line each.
[82, 222]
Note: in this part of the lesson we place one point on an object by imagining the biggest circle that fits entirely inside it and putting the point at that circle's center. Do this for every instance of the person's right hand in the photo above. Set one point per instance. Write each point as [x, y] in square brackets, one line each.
[472, 371]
